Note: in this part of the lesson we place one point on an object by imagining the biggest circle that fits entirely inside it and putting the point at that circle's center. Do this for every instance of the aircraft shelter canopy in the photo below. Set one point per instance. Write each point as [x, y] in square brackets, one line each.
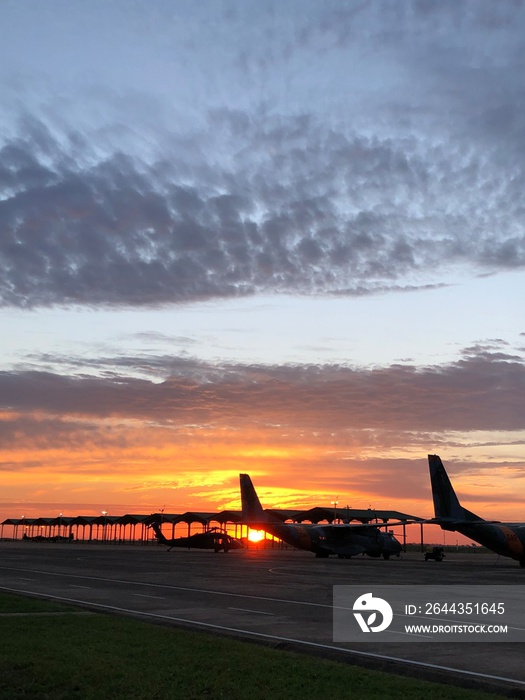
[313, 515]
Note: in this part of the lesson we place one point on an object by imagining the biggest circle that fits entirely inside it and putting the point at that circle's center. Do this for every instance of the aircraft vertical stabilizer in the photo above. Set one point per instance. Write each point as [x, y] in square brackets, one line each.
[252, 511]
[446, 503]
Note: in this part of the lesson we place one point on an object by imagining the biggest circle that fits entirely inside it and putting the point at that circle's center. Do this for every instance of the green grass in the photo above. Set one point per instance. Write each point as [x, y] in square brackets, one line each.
[89, 657]
[17, 604]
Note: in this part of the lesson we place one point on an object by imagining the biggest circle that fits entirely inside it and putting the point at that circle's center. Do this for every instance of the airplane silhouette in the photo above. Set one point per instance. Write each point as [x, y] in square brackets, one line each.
[343, 540]
[507, 539]
[211, 539]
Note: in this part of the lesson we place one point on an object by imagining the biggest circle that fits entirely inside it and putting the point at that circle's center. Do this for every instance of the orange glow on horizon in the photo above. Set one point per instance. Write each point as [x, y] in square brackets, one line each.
[79, 467]
[256, 535]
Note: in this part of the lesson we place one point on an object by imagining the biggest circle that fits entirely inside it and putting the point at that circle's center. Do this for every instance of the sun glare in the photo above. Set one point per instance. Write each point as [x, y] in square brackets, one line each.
[256, 535]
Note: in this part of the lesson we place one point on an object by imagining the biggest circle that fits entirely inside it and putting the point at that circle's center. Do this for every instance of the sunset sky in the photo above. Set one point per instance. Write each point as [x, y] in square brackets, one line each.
[284, 238]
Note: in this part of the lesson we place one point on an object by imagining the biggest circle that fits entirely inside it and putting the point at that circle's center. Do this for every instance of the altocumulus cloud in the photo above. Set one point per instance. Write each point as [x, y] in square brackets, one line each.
[316, 212]
[347, 151]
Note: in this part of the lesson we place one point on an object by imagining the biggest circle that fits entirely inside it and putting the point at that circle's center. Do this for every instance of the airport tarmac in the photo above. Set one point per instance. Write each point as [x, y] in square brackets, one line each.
[279, 597]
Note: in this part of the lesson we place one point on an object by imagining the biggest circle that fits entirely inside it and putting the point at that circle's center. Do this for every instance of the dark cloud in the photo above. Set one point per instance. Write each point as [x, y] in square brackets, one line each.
[479, 392]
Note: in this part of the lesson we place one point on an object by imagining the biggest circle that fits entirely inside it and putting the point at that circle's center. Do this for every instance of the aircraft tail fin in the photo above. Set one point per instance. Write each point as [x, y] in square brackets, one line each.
[252, 511]
[446, 503]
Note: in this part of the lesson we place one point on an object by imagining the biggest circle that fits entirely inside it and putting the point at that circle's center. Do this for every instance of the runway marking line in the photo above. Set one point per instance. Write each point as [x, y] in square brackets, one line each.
[258, 612]
[45, 614]
[144, 595]
[170, 587]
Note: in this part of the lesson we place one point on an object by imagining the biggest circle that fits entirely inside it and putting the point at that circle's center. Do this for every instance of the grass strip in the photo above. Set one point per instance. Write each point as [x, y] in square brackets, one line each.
[68, 657]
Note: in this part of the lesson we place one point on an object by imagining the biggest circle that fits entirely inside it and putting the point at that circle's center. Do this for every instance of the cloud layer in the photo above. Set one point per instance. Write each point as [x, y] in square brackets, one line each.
[305, 431]
[385, 162]
[483, 391]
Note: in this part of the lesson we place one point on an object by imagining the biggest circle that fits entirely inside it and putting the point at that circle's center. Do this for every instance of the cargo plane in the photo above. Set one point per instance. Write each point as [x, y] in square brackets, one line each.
[323, 540]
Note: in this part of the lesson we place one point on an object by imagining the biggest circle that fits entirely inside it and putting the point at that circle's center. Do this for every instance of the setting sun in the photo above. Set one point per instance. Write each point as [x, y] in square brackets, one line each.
[255, 535]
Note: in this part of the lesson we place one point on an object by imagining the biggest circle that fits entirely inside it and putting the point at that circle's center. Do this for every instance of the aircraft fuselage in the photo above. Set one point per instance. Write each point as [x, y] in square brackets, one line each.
[340, 540]
[506, 539]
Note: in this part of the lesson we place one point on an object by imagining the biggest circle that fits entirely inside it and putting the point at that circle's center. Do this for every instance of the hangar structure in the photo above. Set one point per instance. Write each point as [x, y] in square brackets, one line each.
[134, 529]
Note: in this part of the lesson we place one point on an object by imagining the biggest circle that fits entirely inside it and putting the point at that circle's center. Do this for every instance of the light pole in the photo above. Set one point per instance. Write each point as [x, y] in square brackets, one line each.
[334, 503]
[104, 522]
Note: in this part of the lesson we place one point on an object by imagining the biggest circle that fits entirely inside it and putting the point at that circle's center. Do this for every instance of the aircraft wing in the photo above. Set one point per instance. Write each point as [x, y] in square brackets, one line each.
[457, 521]
[359, 526]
